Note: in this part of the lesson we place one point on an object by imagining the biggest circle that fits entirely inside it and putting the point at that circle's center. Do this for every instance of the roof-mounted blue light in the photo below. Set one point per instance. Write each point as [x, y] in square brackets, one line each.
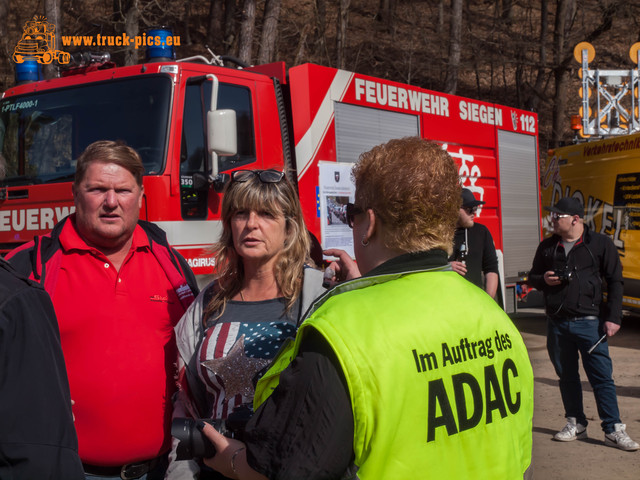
[28, 71]
[160, 45]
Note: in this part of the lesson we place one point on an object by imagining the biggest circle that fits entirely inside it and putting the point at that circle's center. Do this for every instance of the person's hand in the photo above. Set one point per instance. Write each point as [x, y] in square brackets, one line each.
[231, 456]
[73, 414]
[611, 328]
[459, 267]
[344, 267]
[225, 447]
[551, 278]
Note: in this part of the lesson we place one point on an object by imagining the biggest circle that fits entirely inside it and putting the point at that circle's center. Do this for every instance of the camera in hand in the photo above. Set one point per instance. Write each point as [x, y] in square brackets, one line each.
[462, 254]
[194, 444]
[564, 275]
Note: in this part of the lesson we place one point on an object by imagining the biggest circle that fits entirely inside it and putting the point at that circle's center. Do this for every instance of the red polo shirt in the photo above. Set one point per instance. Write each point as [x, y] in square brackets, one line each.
[117, 337]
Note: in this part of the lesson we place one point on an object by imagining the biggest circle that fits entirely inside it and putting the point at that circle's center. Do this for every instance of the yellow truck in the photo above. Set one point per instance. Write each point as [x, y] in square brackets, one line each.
[602, 167]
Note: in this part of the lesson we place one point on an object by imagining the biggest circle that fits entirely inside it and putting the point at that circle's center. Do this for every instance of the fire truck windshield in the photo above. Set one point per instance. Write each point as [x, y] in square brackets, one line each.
[42, 134]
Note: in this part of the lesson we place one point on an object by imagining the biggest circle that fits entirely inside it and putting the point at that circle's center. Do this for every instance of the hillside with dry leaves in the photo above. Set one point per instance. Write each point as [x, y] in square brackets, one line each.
[517, 53]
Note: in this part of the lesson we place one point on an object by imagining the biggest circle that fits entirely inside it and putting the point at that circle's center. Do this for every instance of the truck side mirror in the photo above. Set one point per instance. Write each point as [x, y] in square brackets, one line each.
[222, 136]
[222, 139]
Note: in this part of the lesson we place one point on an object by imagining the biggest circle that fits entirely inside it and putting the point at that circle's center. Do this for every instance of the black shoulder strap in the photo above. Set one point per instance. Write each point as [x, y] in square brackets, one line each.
[43, 249]
[158, 236]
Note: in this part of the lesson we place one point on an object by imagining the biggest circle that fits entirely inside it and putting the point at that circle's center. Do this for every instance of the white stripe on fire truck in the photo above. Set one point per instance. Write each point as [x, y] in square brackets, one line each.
[308, 145]
[192, 233]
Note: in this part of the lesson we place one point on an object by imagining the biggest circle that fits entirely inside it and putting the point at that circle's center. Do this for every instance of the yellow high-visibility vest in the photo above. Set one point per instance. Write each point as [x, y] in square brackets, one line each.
[439, 378]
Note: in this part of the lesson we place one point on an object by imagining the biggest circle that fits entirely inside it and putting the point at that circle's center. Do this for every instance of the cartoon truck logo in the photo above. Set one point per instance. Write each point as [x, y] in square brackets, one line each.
[38, 43]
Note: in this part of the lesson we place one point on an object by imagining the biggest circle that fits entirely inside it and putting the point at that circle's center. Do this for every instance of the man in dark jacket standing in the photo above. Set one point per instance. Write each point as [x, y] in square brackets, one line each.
[474, 254]
[37, 437]
[569, 268]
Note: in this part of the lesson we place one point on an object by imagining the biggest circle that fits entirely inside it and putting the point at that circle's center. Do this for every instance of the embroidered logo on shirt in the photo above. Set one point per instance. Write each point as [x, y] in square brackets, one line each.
[159, 298]
[184, 291]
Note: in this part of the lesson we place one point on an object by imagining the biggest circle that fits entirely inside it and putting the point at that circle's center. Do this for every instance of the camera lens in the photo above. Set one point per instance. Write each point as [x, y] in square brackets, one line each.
[192, 442]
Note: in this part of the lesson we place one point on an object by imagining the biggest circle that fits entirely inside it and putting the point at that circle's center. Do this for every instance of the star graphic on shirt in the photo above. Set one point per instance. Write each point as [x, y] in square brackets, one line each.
[236, 371]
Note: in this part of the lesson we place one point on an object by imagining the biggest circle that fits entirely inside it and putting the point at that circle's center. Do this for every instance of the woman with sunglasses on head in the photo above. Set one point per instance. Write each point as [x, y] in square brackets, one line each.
[394, 375]
[474, 253]
[264, 283]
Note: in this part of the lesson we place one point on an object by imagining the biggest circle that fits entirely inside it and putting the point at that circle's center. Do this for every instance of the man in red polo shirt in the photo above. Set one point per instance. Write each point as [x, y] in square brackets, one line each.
[118, 290]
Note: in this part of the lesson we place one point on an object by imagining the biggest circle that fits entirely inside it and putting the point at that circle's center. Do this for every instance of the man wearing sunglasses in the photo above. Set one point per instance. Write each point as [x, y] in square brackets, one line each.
[569, 268]
[474, 254]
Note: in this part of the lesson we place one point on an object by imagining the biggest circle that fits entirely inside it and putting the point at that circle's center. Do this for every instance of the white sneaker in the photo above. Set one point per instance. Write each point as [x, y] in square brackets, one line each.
[571, 431]
[620, 439]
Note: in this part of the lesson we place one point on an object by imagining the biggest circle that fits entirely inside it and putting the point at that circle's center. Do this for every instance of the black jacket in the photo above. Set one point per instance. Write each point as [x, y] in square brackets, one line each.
[592, 259]
[481, 252]
[37, 436]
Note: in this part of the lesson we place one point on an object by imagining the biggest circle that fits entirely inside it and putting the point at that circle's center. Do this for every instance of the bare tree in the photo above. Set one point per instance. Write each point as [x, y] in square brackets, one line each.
[54, 16]
[301, 51]
[131, 14]
[267, 50]
[341, 34]
[563, 9]
[321, 26]
[126, 16]
[455, 34]
[4, 31]
[186, 24]
[230, 39]
[214, 30]
[507, 11]
[386, 14]
[247, 26]
[537, 94]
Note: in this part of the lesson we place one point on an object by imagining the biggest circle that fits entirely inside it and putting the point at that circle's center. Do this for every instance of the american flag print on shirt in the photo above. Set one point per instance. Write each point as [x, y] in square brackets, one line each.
[262, 340]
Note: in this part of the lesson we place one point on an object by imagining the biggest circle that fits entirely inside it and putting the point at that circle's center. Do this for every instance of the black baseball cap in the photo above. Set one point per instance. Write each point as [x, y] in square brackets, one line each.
[468, 200]
[567, 206]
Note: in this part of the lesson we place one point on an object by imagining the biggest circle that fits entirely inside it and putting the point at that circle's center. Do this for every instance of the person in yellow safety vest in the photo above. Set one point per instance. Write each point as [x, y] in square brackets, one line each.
[408, 371]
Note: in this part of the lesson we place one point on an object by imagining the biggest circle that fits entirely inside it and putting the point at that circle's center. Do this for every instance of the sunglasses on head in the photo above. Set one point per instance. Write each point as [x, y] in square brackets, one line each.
[352, 211]
[470, 210]
[265, 176]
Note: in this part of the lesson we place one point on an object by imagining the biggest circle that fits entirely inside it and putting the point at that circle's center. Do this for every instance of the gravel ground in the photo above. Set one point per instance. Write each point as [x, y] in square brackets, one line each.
[588, 458]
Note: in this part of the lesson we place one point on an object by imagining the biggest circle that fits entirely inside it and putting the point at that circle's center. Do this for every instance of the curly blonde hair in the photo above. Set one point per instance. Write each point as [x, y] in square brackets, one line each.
[412, 186]
[277, 199]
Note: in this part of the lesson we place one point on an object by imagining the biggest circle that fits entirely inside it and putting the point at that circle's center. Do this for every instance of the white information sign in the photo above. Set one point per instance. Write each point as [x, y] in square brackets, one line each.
[336, 190]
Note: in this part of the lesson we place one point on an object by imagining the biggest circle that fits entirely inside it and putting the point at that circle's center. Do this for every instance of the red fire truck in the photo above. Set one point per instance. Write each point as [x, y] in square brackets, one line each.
[306, 120]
